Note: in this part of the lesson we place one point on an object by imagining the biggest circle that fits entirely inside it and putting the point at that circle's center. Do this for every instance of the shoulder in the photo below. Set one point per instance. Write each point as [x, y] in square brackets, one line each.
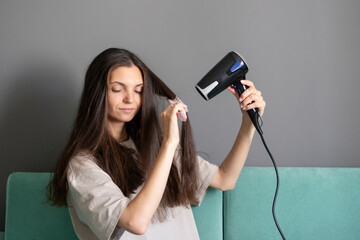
[82, 162]
[205, 166]
[83, 158]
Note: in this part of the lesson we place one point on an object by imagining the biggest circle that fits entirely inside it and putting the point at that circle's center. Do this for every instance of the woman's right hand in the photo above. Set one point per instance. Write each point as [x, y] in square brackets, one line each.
[170, 123]
[138, 214]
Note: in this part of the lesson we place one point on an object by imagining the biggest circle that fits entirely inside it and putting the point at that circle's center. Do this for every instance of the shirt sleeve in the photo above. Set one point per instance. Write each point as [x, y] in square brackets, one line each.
[96, 199]
[207, 172]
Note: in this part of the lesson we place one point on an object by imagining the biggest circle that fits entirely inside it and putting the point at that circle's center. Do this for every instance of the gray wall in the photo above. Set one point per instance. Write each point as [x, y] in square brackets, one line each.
[303, 55]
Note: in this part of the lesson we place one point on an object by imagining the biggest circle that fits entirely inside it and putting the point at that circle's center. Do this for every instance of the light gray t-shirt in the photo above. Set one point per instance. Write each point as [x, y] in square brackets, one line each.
[96, 203]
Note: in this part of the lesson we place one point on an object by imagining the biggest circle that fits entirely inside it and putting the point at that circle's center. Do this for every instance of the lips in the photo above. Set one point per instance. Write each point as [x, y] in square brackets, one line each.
[127, 110]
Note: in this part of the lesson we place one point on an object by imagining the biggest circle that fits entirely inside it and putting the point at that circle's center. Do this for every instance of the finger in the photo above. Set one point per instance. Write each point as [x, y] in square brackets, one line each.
[256, 104]
[179, 109]
[170, 109]
[181, 106]
[178, 106]
[171, 102]
[232, 90]
[247, 93]
[252, 98]
[169, 115]
[247, 83]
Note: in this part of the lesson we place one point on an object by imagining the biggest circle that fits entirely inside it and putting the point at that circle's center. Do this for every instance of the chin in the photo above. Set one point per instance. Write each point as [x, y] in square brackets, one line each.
[126, 119]
[121, 117]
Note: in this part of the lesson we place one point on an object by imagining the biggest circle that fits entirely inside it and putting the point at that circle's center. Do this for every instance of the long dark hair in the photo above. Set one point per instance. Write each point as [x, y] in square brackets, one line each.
[127, 169]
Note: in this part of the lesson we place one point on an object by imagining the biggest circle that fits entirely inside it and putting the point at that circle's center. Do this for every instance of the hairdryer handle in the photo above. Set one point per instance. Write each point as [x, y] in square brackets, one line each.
[254, 112]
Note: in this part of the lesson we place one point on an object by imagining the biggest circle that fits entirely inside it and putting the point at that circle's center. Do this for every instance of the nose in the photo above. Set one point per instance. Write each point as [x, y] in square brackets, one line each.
[129, 97]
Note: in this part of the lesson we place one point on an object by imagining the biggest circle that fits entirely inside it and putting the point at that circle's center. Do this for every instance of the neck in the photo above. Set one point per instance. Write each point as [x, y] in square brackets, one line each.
[118, 131]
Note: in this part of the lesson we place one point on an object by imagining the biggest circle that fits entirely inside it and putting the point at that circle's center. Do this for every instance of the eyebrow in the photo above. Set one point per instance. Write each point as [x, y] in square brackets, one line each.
[138, 85]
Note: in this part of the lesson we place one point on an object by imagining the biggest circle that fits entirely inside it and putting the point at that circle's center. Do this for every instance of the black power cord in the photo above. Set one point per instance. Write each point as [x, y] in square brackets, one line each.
[277, 186]
[258, 127]
[255, 117]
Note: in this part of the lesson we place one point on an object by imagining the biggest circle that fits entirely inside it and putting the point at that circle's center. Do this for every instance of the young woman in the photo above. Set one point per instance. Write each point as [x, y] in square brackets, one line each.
[125, 176]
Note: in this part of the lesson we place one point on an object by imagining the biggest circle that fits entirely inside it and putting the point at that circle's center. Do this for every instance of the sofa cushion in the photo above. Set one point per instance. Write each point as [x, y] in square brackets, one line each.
[312, 203]
[28, 216]
[209, 216]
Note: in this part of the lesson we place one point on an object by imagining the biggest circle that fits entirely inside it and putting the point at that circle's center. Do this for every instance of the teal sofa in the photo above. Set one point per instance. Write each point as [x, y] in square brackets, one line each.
[313, 203]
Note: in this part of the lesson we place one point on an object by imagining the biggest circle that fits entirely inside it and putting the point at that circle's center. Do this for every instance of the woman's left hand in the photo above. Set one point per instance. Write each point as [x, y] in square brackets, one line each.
[250, 98]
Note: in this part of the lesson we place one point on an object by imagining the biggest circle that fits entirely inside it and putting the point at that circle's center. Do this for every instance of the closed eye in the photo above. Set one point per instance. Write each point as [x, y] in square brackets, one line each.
[139, 90]
[116, 90]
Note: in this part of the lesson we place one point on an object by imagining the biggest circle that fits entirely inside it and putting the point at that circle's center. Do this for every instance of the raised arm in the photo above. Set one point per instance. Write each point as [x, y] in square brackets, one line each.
[230, 168]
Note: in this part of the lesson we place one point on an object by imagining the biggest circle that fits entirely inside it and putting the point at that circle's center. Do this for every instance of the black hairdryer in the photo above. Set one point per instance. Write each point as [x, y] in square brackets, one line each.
[228, 71]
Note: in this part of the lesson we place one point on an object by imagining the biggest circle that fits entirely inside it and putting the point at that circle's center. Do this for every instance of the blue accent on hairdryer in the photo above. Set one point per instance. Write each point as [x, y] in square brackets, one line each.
[236, 66]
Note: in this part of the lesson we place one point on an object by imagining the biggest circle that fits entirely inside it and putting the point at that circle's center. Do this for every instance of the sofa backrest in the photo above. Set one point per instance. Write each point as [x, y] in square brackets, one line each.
[28, 216]
[209, 216]
[312, 203]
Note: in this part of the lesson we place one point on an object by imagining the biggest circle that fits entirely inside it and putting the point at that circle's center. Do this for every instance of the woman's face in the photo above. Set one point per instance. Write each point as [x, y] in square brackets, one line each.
[124, 95]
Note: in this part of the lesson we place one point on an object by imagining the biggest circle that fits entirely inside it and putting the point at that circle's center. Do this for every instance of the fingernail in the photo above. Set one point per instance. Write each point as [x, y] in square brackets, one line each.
[241, 99]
